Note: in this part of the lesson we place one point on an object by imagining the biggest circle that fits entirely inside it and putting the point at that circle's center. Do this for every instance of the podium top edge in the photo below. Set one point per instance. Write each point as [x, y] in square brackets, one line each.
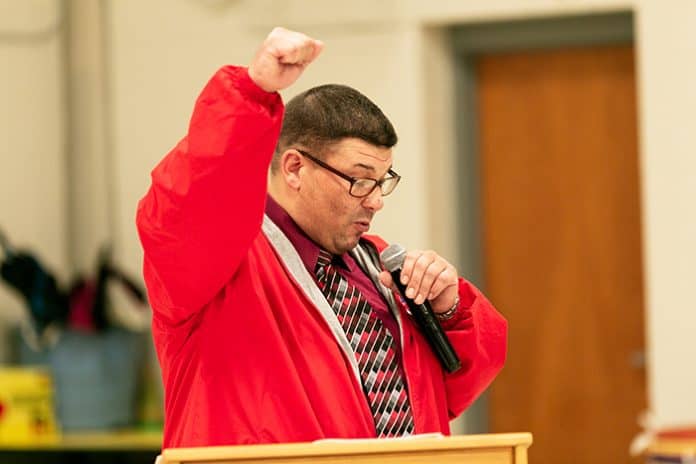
[347, 447]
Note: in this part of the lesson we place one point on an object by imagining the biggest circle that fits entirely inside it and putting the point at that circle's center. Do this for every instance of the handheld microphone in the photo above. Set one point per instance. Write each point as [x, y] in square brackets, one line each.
[393, 259]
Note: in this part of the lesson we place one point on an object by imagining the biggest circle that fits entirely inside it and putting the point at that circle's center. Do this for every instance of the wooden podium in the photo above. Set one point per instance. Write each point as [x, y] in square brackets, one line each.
[507, 448]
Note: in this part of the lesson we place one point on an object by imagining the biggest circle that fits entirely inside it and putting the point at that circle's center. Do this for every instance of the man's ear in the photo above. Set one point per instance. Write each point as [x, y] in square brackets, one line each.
[290, 165]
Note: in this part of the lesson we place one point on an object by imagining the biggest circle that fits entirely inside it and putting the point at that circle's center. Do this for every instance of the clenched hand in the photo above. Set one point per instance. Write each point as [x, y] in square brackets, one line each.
[282, 58]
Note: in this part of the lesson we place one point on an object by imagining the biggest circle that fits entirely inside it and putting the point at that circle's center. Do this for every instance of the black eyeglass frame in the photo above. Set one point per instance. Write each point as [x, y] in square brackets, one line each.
[354, 180]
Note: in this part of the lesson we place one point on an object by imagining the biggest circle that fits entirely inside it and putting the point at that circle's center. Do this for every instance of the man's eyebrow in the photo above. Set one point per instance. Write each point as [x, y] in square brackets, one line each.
[364, 166]
[368, 167]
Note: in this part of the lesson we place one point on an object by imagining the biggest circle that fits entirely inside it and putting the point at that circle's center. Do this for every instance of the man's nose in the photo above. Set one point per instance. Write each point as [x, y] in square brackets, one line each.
[374, 201]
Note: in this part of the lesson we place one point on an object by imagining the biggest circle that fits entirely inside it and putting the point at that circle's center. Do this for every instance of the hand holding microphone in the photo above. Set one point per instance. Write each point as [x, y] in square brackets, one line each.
[429, 285]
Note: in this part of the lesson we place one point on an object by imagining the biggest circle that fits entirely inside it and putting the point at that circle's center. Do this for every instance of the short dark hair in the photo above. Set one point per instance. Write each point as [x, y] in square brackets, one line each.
[324, 115]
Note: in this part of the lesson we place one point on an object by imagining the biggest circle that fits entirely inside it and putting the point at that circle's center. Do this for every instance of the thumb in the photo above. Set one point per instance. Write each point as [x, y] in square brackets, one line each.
[318, 47]
[386, 279]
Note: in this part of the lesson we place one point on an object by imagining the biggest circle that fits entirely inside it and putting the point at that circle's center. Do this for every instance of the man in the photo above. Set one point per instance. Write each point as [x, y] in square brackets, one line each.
[280, 327]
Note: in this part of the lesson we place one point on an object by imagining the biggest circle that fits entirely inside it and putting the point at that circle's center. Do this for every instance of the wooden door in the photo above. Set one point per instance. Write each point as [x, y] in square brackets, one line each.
[562, 248]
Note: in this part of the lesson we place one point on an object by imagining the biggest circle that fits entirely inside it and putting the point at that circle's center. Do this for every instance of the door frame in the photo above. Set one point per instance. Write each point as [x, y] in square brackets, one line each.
[468, 42]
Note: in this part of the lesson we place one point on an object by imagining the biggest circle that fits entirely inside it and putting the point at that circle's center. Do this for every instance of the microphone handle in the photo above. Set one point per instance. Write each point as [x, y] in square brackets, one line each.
[430, 326]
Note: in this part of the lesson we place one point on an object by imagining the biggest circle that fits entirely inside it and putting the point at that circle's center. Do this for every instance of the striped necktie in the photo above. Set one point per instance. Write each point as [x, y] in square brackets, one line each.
[373, 346]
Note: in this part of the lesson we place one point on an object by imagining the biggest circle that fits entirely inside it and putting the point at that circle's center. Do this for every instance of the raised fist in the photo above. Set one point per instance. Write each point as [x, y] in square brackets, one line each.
[281, 59]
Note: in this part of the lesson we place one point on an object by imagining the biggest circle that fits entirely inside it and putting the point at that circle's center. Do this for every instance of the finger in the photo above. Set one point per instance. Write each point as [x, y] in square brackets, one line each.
[407, 265]
[298, 49]
[290, 50]
[386, 279]
[309, 50]
[299, 55]
[447, 278]
[430, 276]
[318, 48]
[418, 271]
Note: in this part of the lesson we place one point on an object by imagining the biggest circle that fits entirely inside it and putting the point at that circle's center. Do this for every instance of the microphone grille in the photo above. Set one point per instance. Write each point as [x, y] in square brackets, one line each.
[393, 257]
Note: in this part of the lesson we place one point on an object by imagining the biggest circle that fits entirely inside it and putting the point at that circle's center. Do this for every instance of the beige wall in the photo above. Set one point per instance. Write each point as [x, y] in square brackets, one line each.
[666, 43]
[161, 52]
[32, 165]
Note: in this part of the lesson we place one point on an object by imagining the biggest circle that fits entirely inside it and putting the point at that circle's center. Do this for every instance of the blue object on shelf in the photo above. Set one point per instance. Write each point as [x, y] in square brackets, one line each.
[96, 376]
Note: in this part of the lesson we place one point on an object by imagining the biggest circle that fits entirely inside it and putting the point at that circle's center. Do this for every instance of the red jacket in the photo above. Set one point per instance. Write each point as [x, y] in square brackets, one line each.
[246, 355]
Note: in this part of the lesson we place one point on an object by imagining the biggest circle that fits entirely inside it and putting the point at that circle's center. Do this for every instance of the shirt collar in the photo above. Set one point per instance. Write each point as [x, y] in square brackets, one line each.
[305, 246]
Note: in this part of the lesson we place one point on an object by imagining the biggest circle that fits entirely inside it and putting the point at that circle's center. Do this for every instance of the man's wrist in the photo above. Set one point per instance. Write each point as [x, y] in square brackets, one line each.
[449, 314]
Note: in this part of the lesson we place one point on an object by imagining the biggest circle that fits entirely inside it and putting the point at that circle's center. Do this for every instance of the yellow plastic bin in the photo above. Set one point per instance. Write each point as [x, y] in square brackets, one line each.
[26, 407]
[673, 446]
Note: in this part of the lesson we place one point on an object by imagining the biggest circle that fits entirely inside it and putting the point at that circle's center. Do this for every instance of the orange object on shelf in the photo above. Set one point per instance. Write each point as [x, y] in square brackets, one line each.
[675, 445]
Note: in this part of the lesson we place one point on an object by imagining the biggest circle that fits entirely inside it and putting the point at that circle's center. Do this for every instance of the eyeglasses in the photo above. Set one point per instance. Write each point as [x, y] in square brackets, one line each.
[361, 187]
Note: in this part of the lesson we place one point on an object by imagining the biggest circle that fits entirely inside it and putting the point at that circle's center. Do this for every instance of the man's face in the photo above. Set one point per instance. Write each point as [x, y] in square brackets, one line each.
[327, 212]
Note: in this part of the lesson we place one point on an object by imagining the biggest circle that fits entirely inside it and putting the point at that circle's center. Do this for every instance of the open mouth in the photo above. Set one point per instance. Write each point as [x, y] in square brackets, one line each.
[362, 226]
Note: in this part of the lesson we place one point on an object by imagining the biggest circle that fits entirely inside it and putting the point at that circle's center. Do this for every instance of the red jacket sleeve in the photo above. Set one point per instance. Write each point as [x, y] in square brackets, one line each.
[207, 197]
[479, 335]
